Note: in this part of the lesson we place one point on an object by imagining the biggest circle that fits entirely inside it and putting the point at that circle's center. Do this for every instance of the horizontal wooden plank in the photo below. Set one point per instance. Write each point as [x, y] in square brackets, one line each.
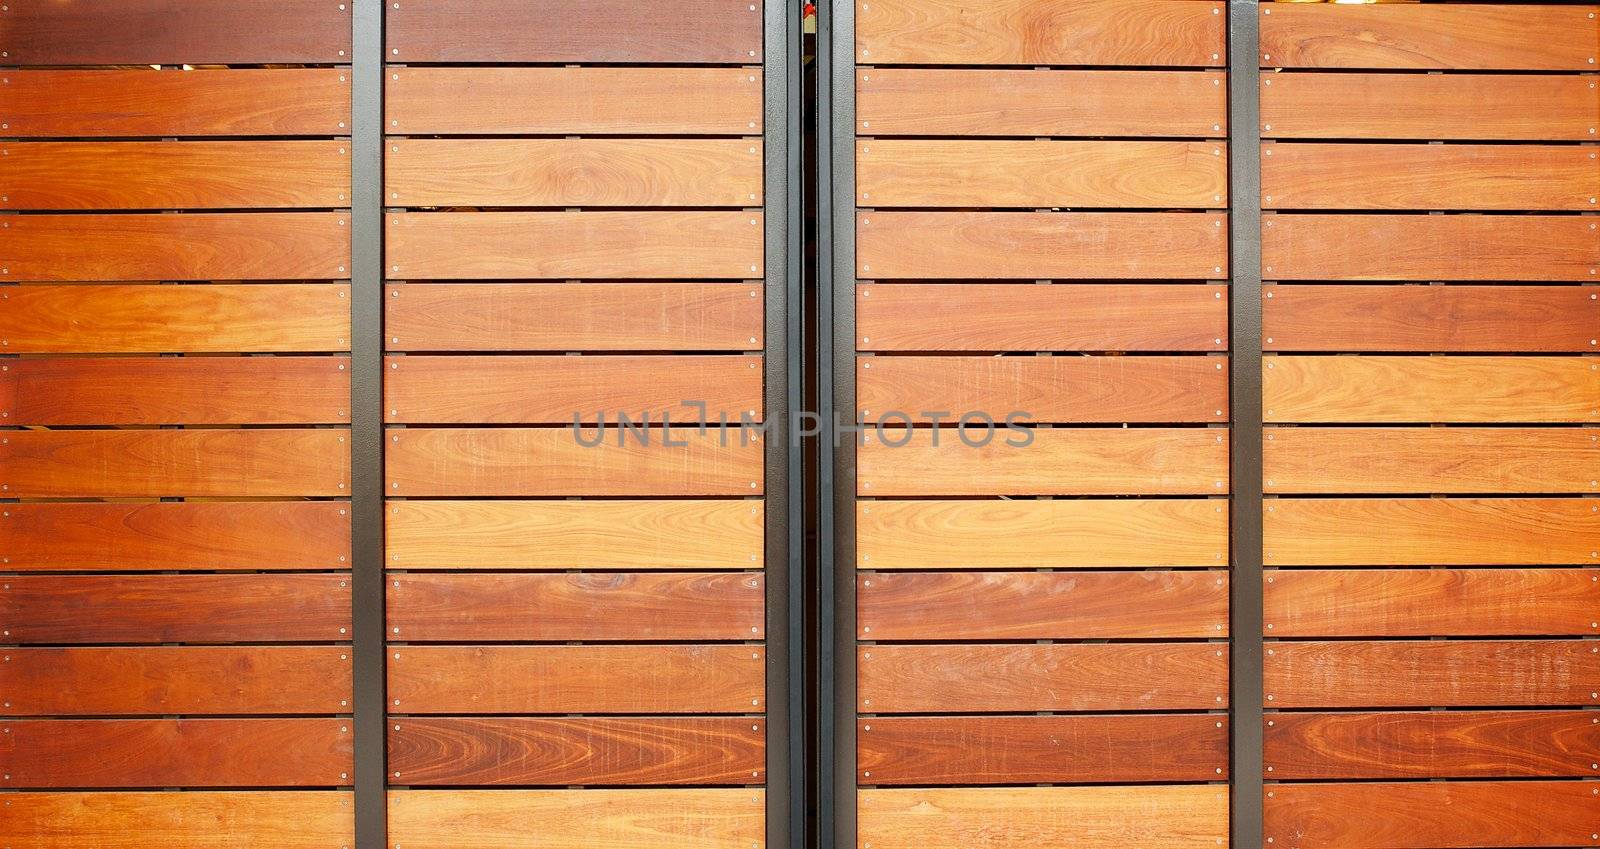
[1428, 602]
[193, 246]
[1050, 389]
[1152, 816]
[177, 753]
[1000, 102]
[163, 463]
[988, 245]
[1432, 673]
[1432, 744]
[1508, 107]
[588, 101]
[1430, 247]
[1019, 678]
[1030, 317]
[712, 818]
[1040, 749]
[1478, 319]
[698, 31]
[177, 535]
[1454, 37]
[573, 172]
[1379, 389]
[69, 391]
[1428, 176]
[1041, 605]
[172, 32]
[896, 461]
[1430, 531]
[1334, 460]
[290, 819]
[562, 390]
[176, 679]
[454, 751]
[578, 679]
[676, 534]
[1431, 815]
[563, 607]
[176, 608]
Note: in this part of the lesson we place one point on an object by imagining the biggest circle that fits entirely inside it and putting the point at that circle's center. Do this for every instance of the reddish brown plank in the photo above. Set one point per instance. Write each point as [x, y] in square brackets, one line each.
[1041, 749]
[446, 751]
[577, 679]
[1438, 673]
[289, 819]
[1399, 389]
[1431, 744]
[1336, 460]
[1431, 531]
[1429, 247]
[1477, 319]
[1453, 37]
[655, 818]
[646, 606]
[1426, 602]
[1056, 677]
[697, 31]
[1428, 176]
[1431, 815]
[1509, 107]
[171, 32]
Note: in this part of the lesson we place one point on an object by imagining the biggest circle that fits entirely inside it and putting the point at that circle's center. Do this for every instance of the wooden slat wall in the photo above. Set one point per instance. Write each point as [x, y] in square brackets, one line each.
[575, 229]
[1430, 391]
[1042, 228]
[175, 388]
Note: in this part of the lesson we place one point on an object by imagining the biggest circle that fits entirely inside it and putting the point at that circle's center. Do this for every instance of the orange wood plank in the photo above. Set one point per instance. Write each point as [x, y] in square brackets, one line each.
[1509, 107]
[1428, 176]
[1155, 816]
[1454, 37]
[1477, 319]
[1429, 247]
[1430, 602]
[172, 32]
[1431, 532]
[243, 819]
[1379, 389]
[697, 32]
[1431, 815]
[663, 818]
[1424, 673]
[1430, 460]
[1432, 744]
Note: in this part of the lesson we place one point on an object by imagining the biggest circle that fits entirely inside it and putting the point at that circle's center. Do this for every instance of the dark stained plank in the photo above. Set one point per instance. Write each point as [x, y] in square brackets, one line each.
[1427, 602]
[1428, 176]
[1384, 389]
[1150, 816]
[1019, 678]
[697, 31]
[177, 753]
[425, 607]
[176, 679]
[171, 32]
[175, 608]
[1429, 247]
[1041, 749]
[1432, 744]
[176, 535]
[1431, 532]
[452, 751]
[1336, 460]
[66, 391]
[1509, 107]
[1431, 815]
[163, 463]
[1454, 37]
[1438, 673]
[289, 819]
[1075, 605]
[544, 534]
[1030, 317]
[1477, 319]
[668, 818]
[669, 679]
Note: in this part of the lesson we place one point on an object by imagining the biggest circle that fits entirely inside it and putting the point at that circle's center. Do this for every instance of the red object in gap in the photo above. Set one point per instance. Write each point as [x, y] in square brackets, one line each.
[811, 10]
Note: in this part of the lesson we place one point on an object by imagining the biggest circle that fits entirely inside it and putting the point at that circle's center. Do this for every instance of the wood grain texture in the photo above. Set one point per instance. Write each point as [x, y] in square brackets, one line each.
[1030, 317]
[645, 606]
[1017, 678]
[1428, 176]
[1151, 816]
[1102, 390]
[163, 463]
[668, 679]
[589, 101]
[1428, 602]
[290, 819]
[1028, 32]
[1501, 107]
[987, 245]
[143, 319]
[1041, 605]
[1040, 749]
[676, 534]
[1431, 532]
[573, 172]
[53, 753]
[1435, 815]
[896, 461]
[698, 31]
[1431, 460]
[1457, 37]
[712, 818]
[1077, 534]
[451, 751]
[1432, 673]
[176, 680]
[562, 390]
[1476, 319]
[1380, 389]
[1432, 744]
[172, 32]
[1430, 247]
[176, 535]
[176, 608]
[68, 391]
[1004, 102]
[195, 246]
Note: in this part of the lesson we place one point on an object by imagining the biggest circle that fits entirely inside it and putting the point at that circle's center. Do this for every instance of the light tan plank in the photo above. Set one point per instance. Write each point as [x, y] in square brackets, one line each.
[1429, 176]
[1509, 107]
[1156, 817]
[1389, 389]
[1432, 532]
[712, 818]
[248, 819]
[1330, 461]
[1450, 37]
